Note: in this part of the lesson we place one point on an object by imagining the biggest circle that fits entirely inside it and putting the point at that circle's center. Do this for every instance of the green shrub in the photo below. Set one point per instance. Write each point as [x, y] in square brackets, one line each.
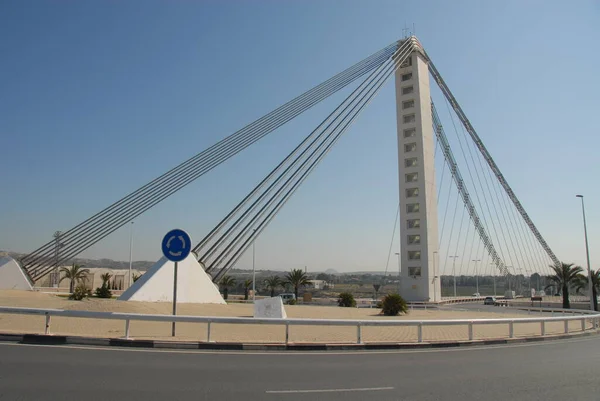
[104, 291]
[346, 300]
[292, 302]
[393, 304]
[80, 292]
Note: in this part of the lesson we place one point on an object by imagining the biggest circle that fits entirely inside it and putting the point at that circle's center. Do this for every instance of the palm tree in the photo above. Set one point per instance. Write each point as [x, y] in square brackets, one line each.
[272, 283]
[226, 282]
[581, 282]
[296, 278]
[105, 278]
[565, 275]
[247, 285]
[75, 273]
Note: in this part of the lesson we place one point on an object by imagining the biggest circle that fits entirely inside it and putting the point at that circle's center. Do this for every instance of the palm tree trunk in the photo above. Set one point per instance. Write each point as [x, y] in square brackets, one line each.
[595, 296]
[225, 293]
[72, 286]
[245, 294]
[296, 292]
[272, 292]
[565, 297]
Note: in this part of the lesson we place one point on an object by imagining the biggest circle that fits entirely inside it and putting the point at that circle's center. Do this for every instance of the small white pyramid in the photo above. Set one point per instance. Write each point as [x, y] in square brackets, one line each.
[156, 285]
[12, 277]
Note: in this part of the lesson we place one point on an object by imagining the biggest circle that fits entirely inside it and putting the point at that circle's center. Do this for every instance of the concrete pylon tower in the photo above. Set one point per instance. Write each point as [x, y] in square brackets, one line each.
[418, 194]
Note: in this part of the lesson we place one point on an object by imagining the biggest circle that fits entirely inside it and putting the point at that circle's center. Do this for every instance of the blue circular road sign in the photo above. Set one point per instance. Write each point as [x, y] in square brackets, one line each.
[176, 245]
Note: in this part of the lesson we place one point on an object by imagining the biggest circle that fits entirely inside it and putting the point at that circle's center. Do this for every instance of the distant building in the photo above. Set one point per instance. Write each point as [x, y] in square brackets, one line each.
[319, 284]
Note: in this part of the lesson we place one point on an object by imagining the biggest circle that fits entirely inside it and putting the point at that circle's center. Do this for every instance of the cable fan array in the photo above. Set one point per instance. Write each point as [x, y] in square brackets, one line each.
[74, 241]
[492, 226]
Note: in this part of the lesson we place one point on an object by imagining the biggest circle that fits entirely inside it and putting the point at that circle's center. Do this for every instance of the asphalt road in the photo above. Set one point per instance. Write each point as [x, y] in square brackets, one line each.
[552, 370]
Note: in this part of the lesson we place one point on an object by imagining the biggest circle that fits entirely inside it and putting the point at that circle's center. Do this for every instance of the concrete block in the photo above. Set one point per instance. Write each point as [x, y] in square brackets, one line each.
[270, 308]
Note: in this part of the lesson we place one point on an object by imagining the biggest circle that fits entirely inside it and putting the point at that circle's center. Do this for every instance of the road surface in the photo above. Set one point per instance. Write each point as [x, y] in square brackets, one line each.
[551, 370]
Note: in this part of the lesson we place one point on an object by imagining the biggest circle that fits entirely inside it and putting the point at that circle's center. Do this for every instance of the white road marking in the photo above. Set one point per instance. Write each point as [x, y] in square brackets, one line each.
[330, 390]
[316, 353]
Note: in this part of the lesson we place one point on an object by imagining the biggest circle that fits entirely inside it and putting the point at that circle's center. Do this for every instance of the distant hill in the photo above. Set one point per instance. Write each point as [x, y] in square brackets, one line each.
[93, 263]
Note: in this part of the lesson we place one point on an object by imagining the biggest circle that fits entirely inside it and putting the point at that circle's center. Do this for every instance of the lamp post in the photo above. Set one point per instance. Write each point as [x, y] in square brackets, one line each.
[254, 267]
[399, 272]
[494, 278]
[454, 271]
[434, 278]
[508, 278]
[129, 281]
[587, 252]
[57, 246]
[476, 276]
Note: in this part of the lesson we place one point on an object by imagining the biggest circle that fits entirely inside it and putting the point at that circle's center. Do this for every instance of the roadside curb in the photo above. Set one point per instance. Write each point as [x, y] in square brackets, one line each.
[42, 339]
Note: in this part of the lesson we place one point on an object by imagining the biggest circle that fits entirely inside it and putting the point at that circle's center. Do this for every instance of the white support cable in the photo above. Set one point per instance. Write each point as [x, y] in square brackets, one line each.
[442, 231]
[387, 264]
[288, 165]
[284, 169]
[514, 262]
[471, 250]
[517, 224]
[480, 194]
[467, 124]
[439, 130]
[462, 218]
[291, 186]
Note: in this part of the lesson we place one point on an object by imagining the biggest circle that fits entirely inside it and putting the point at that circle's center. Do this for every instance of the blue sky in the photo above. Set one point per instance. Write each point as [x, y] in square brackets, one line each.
[99, 97]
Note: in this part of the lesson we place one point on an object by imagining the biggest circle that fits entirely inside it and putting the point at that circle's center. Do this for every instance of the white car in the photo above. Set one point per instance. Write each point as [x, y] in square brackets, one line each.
[286, 297]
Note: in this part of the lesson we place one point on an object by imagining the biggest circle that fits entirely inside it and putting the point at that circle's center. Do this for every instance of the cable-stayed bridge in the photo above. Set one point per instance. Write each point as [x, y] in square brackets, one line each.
[448, 207]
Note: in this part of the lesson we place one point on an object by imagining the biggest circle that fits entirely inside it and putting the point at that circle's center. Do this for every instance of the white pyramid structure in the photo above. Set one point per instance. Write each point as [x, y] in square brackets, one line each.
[12, 277]
[156, 285]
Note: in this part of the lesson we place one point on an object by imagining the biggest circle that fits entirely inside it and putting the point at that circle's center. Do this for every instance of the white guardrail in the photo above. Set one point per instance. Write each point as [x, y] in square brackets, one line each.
[575, 315]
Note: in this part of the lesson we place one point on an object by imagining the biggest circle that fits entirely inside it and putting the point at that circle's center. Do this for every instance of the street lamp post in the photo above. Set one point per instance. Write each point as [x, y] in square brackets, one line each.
[399, 272]
[454, 271]
[494, 277]
[130, 253]
[587, 252]
[476, 276]
[508, 278]
[254, 268]
[434, 277]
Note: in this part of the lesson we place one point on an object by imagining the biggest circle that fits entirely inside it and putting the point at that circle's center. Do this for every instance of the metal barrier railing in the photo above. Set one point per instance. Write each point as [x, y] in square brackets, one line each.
[573, 315]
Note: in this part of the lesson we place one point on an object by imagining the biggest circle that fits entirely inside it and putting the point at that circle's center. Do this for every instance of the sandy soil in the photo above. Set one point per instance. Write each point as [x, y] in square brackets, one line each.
[248, 333]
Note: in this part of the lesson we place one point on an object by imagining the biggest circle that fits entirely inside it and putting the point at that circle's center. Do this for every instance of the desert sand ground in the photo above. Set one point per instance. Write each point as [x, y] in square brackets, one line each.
[250, 333]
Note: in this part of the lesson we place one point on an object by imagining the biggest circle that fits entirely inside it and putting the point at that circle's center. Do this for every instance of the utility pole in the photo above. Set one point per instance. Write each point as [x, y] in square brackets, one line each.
[587, 252]
[454, 271]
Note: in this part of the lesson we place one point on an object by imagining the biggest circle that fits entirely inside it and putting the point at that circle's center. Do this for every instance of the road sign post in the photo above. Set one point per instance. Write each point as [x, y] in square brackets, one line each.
[174, 299]
[176, 246]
